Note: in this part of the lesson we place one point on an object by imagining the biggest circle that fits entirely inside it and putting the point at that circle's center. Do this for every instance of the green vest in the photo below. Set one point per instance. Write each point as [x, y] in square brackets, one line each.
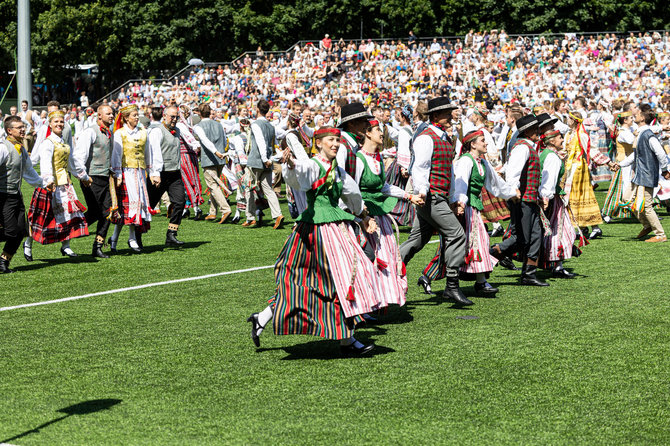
[11, 172]
[371, 189]
[170, 148]
[543, 156]
[322, 202]
[217, 136]
[99, 155]
[475, 185]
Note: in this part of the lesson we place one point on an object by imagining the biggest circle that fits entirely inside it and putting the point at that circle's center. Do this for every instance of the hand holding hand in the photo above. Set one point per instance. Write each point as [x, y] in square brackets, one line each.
[545, 204]
[219, 155]
[422, 197]
[87, 182]
[50, 186]
[119, 181]
[460, 209]
[268, 163]
[417, 200]
[369, 225]
[156, 181]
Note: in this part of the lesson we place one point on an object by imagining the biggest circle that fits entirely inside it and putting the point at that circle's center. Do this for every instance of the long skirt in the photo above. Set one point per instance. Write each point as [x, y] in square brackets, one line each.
[241, 201]
[324, 282]
[495, 209]
[133, 199]
[403, 212]
[600, 174]
[582, 199]
[392, 279]
[614, 201]
[558, 244]
[56, 216]
[191, 177]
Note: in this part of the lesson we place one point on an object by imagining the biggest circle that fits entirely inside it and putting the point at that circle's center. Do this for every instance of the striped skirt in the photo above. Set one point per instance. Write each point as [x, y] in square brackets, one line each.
[319, 291]
[56, 216]
[436, 268]
[615, 200]
[558, 244]
[191, 178]
[241, 200]
[133, 199]
[495, 209]
[477, 257]
[392, 280]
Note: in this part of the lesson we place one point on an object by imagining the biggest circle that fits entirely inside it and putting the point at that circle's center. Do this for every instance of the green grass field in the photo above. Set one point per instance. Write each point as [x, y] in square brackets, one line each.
[580, 362]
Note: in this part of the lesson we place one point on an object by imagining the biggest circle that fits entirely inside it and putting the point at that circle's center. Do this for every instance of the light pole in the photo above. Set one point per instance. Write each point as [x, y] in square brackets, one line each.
[24, 77]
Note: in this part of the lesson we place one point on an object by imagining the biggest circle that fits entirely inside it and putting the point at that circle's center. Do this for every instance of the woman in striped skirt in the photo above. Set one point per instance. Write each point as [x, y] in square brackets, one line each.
[471, 172]
[325, 283]
[398, 173]
[559, 242]
[190, 176]
[380, 198]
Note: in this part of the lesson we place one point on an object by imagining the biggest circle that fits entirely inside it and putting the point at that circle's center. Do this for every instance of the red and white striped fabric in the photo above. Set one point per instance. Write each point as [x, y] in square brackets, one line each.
[392, 284]
[343, 252]
[478, 259]
[558, 246]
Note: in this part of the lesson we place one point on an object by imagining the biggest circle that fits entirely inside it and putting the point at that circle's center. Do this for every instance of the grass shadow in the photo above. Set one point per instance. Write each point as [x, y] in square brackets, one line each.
[322, 350]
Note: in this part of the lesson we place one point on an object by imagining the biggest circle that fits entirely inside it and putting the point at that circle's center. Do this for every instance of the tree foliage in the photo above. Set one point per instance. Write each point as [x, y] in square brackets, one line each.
[127, 37]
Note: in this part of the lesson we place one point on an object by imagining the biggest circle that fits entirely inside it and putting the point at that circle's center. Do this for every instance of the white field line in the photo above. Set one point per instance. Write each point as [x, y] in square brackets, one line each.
[139, 287]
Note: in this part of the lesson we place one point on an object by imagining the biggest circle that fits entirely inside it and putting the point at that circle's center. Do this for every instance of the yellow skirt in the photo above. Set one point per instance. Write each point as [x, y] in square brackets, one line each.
[583, 201]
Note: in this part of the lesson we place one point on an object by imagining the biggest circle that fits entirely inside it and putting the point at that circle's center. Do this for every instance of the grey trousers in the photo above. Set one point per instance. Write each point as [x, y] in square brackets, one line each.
[526, 230]
[436, 215]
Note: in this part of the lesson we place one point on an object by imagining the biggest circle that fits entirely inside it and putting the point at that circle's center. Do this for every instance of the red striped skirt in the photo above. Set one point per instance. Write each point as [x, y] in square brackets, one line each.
[43, 226]
[558, 244]
[191, 177]
[495, 209]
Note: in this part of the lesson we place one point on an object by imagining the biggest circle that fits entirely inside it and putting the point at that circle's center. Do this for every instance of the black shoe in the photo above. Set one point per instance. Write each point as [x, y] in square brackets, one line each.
[562, 273]
[255, 326]
[235, 220]
[186, 213]
[453, 293]
[198, 215]
[138, 239]
[486, 289]
[135, 250]
[498, 232]
[596, 233]
[112, 246]
[507, 263]
[63, 253]
[97, 251]
[425, 283]
[4, 267]
[528, 277]
[352, 350]
[171, 239]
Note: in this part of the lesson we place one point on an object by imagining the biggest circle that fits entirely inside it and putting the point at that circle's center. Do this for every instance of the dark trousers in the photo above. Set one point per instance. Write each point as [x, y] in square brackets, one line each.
[436, 215]
[98, 203]
[172, 183]
[526, 229]
[13, 214]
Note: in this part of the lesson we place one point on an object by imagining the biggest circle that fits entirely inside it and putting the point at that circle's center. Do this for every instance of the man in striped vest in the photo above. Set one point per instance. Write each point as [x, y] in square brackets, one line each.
[523, 173]
[431, 172]
[354, 119]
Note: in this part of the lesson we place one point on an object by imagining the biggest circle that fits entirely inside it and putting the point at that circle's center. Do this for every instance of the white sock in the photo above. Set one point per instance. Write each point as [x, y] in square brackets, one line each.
[28, 243]
[496, 225]
[66, 247]
[481, 278]
[559, 266]
[263, 318]
[131, 234]
[237, 214]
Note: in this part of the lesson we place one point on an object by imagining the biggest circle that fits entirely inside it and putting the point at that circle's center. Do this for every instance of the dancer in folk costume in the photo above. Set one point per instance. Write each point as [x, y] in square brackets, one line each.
[239, 149]
[649, 160]
[620, 186]
[353, 121]
[131, 159]
[578, 188]
[293, 141]
[56, 214]
[380, 198]
[94, 150]
[325, 282]
[471, 174]
[559, 241]
[398, 172]
[189, 149]
[15, 166]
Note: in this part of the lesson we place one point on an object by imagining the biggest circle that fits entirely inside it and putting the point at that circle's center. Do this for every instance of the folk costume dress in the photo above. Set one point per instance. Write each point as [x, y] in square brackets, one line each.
[380, 198]
[131, 158]
[324, 280]
[59, 215]
[189, 149]
[403, 212]
[558, 244]
[620, 188]
[294, 142]
[578, 188]
[470, 177]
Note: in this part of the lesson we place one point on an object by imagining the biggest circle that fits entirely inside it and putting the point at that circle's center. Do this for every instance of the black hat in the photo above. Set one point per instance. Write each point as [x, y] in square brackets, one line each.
[441, 103]
[545, 119]
[350, 112]
[526, 122]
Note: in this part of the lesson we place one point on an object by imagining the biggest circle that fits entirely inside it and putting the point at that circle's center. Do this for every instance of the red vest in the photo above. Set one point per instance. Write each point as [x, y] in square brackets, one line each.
[530, 175]
[350, 164]
[440, 163]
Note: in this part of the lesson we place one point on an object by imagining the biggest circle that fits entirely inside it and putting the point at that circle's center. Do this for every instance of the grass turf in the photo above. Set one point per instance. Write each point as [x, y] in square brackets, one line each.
[581, 361]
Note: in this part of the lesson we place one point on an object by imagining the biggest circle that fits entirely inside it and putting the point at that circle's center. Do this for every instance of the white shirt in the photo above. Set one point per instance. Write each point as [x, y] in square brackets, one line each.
[28, 172]
[549, 178]
[404, 143]
[423, 155]
[46, 161]
[460, 181]
[516, 162]
[293, 143]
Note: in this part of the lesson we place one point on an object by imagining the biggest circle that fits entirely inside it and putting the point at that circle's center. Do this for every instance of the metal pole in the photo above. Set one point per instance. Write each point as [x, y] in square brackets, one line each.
[361, 29]
[24, 76]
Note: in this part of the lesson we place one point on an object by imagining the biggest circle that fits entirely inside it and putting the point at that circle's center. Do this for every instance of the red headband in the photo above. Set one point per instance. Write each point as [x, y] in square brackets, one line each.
[471, 136]
[326, 131]
[373, 123]
[550, 134]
